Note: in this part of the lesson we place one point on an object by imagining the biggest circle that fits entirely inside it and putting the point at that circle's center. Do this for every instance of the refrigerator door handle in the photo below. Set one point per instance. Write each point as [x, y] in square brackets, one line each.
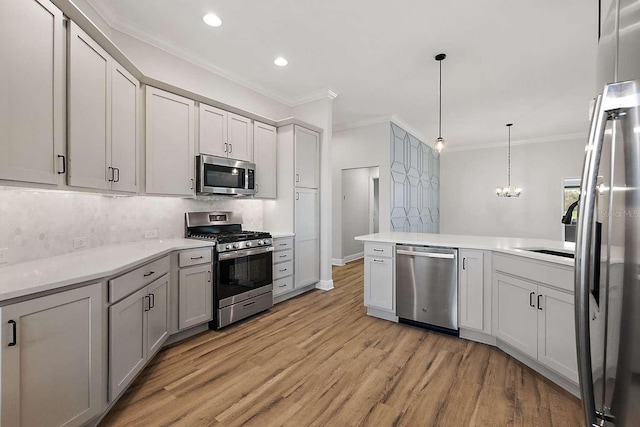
[586, 217]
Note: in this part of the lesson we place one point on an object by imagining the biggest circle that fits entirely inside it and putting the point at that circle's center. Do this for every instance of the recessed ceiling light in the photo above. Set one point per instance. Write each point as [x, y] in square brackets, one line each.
[280, 61]
[212, 20]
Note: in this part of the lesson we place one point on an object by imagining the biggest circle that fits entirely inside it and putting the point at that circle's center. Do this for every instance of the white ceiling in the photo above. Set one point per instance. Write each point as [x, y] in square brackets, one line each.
[530, 62]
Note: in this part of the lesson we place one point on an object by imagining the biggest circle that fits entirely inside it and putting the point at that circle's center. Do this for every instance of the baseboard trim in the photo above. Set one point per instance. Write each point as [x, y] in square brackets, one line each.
[325, 285]
[550, 374]
[353, 257]
[478, 337]
[337, 262]
[382, 314]
[179, 336]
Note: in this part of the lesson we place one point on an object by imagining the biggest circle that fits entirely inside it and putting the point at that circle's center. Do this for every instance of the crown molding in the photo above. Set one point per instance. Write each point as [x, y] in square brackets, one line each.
[112, 19]
[540, 140]
[385, 119]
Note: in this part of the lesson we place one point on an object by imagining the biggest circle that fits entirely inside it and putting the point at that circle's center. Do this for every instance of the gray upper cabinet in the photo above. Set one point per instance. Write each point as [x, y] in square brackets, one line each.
[32, 86]
[52, 356]
[170, 127]
[225, 134]
[103, 118]
[307, 161]
[265, 158]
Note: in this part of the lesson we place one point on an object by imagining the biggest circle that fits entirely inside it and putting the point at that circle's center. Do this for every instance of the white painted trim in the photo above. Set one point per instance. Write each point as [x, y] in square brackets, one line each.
[383, 119]
[338, 262]
[325, 285]
[382, 314]
[107, 13]
[353, 257]
[553, 138]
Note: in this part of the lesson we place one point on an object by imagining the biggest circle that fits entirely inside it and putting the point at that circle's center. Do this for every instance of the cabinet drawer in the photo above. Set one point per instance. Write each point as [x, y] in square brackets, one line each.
[286, 255]
[283, 285]
[282, 270]
[559, 276]
[128, 283]
[379, 249]
[199, 256]
[282, 244]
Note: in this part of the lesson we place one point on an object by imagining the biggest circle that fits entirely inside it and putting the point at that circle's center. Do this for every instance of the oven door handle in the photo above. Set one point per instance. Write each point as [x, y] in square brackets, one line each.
[244, 253]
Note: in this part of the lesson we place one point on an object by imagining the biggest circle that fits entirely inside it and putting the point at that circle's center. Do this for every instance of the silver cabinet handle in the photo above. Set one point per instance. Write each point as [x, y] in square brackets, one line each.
[118, 174]
[230, 148]
[297, 196]
[379, 261]
[378, 250]
[209, 276]
[192, 183]
[257, 188]
[147, 299]
[426, 254]
[226, 147]
[297, 177]
[111, 173]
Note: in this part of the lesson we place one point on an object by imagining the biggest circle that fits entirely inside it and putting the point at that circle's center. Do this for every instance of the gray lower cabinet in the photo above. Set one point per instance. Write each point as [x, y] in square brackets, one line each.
[195, 294]
[52, 359]
[138, 326]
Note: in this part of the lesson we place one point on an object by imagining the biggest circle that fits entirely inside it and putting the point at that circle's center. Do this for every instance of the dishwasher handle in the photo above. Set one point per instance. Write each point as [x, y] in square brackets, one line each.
[426, 254]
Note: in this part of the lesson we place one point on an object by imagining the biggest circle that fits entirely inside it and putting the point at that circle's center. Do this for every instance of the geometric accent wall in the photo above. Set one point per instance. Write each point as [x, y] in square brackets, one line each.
[415, 184]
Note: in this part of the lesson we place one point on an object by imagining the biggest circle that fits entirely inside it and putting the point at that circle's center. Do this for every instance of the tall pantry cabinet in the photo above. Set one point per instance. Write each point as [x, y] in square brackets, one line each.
[297, 206]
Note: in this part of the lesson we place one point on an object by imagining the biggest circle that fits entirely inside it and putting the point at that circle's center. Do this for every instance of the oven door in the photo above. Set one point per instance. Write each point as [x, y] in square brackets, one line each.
[243, 274]
[217, 175]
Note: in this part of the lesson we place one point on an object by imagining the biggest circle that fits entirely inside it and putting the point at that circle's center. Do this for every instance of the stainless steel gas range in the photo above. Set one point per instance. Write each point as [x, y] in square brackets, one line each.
[243, 282]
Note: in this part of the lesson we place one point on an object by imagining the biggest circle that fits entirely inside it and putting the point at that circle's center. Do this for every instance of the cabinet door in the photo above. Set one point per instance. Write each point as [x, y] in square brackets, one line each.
[378, 283]
[517, 320]
[264, 156]
[307, 147]
[307, 239]
[213, 131]
[195, 294]
[31, 83]
[471, 279]
[170, 143]
[124, 129]
[127, 340]
[89, 113]
[158, 315]
[556, 332]
[240, 138]
[53, 374]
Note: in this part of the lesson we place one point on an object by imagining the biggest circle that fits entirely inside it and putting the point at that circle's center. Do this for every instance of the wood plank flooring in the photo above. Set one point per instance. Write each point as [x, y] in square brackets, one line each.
[319, 360]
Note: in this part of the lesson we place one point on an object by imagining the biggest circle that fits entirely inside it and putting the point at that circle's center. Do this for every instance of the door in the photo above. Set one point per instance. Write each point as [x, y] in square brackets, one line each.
[517, 317]
[170, 143]
[471, 273]
[53, 374]
[89, 114]
[127, 340]
[195, 294]
[307, 163]
[124, 129]
[378, 283]
[213, 131]
[307, 238]
[240, 138]
[264, 150]
[158, 315]
[557, 332]
[32, 82]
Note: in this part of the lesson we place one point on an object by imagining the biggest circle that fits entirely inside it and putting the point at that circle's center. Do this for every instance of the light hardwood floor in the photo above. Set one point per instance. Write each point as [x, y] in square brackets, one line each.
[319, 360]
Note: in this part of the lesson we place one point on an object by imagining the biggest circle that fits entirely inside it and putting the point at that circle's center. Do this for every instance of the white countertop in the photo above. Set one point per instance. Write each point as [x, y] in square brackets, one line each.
[279, 235]
[82, 266]
[509, 245]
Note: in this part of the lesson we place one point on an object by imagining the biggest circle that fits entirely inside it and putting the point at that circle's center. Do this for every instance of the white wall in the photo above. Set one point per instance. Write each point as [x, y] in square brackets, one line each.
[360, 147]
[468, 180]
[37, 224]
[356, 204]
[320, 113]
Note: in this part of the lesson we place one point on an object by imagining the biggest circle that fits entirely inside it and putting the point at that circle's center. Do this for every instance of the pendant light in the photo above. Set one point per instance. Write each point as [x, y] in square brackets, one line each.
[440, 142]
[506, 191]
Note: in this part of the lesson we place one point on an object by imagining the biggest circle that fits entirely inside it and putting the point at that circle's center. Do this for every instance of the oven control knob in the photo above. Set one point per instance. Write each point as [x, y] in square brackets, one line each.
[228, 246]
[249, 244]
[236, 245]
[260, 242]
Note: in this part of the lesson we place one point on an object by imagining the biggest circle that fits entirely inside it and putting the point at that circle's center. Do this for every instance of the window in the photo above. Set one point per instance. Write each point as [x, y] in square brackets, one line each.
[571, 194]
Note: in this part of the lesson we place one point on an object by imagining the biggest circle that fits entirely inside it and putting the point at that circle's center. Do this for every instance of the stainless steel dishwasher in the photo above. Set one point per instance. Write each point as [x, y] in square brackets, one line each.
[427, 287]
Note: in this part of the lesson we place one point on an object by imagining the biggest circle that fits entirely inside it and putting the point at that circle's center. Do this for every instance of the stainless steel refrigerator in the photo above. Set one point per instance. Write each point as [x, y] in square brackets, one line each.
[607, 277]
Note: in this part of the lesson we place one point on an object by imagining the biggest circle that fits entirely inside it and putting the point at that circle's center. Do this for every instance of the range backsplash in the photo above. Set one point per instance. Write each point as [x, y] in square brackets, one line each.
[39, 224]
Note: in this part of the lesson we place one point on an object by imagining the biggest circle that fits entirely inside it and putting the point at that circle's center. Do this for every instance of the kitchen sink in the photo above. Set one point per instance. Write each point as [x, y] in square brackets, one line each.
[563, 254]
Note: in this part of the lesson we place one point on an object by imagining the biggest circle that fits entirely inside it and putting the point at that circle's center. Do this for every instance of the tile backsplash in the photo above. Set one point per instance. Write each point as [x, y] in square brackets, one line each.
[38, 224]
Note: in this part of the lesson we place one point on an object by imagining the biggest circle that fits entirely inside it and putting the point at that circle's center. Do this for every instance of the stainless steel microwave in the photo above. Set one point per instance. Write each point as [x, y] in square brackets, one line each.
[219, 175]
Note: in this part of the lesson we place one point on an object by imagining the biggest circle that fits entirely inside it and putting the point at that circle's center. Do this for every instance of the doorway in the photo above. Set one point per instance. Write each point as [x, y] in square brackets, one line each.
[360, 208]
